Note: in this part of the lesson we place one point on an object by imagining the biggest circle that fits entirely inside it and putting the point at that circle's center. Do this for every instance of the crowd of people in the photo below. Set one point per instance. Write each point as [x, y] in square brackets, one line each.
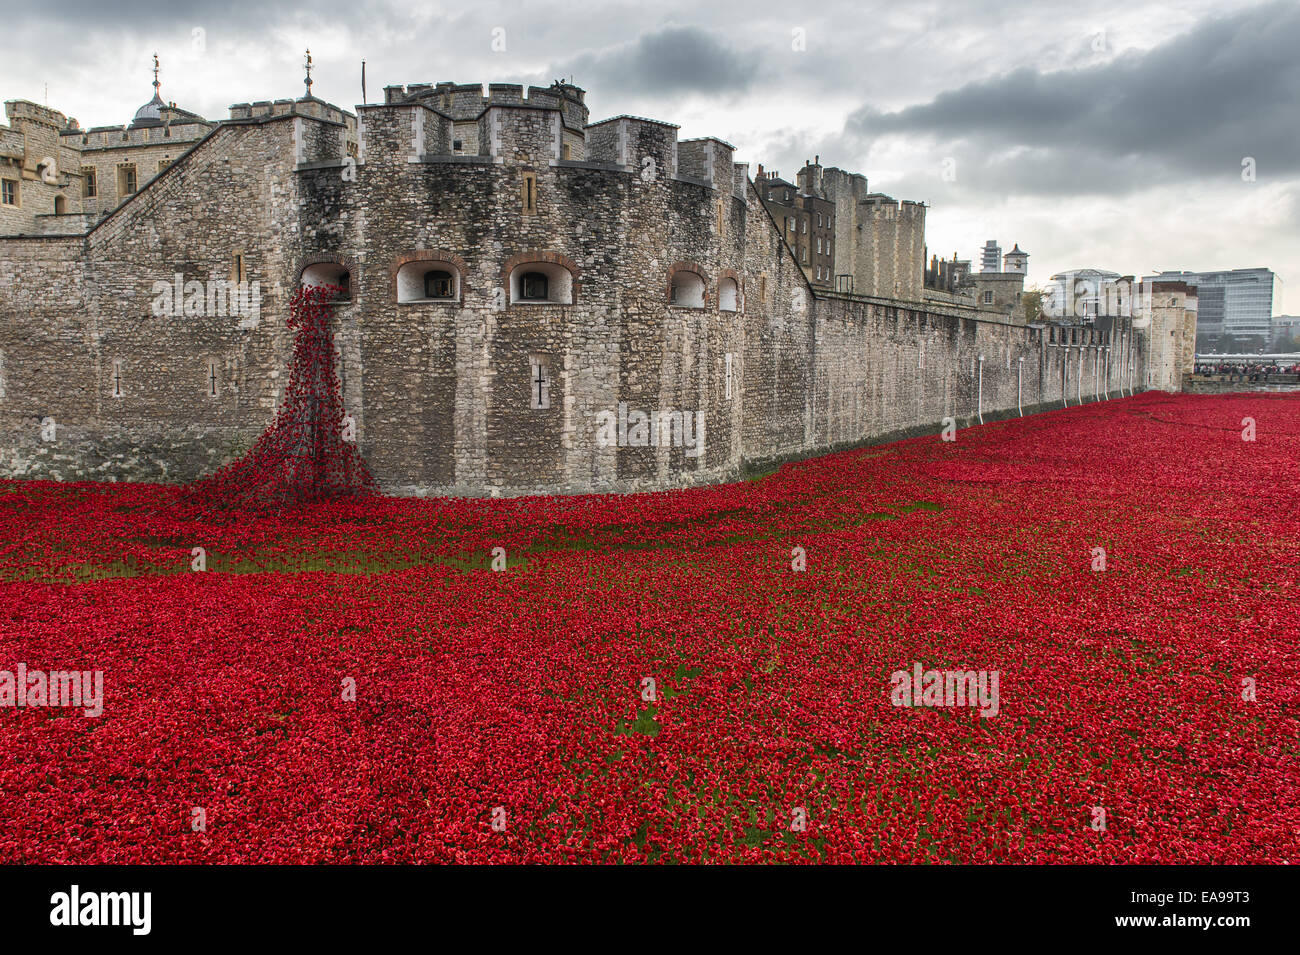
[1248, 372]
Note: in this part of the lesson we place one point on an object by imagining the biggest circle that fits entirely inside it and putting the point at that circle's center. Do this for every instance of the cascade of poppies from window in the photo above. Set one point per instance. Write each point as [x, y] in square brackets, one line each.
[305, 455]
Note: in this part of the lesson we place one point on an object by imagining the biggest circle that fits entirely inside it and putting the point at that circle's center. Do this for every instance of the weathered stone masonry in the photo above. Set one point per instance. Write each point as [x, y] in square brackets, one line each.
[443, 389]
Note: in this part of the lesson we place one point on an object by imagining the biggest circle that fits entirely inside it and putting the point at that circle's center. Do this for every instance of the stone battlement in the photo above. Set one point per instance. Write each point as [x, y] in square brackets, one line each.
[512, 279]
[463, 102]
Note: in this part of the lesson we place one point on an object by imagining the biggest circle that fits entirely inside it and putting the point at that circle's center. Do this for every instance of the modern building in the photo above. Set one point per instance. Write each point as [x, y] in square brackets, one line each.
[1081, 295]
[991, 257]
[1235, 307]
[1286, 333]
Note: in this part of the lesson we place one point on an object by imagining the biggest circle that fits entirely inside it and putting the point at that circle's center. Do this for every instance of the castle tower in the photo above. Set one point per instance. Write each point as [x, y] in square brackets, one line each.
[1016, 261]
[810, 178]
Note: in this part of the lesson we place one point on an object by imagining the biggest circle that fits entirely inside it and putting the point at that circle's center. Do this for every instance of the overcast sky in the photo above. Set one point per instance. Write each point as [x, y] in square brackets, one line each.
[1094, 134]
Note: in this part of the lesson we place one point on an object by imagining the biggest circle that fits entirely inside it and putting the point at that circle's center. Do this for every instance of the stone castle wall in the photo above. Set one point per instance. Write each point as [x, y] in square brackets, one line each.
[442, 390]
[76, 311]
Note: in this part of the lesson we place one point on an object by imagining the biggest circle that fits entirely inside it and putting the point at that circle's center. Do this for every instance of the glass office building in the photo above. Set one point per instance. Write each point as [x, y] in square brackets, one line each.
[1230, 305]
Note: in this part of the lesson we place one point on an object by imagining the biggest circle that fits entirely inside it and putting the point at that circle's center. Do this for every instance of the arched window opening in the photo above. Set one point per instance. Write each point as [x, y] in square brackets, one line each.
[60, 205]
[330, 273]
[541, 283]
[728, 295]
[686, 290]
[428, 281]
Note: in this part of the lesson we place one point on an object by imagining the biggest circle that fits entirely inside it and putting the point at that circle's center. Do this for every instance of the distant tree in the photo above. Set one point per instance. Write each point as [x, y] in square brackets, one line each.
[1032, 302]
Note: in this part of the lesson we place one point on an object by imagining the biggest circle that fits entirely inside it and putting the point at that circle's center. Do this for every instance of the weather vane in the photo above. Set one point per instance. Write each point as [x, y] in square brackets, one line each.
[156, 84]
[308, 78]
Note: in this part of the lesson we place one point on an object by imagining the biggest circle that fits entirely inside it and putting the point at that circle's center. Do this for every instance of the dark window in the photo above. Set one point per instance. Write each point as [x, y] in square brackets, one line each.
[533, 286]
[345, 282]
[437, 284]
[457, 145]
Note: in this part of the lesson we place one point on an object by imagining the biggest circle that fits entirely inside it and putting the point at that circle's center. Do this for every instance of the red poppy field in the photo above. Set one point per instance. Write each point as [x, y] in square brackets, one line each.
[1130, 570]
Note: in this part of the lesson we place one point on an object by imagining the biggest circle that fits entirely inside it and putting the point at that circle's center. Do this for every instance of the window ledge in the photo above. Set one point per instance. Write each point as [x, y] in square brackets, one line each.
[460, 159]
[589, 164]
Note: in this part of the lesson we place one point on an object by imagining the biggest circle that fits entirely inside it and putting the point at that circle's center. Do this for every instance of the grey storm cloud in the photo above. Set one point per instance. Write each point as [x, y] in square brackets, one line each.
[149, 15]
[1193, 106]
[674, 59]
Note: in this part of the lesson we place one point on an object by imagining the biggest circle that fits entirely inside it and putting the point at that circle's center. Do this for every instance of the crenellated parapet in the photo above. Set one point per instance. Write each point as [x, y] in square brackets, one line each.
[466, 102]
[707, 161]
[304, 106]
[647, 147]
[513, 125]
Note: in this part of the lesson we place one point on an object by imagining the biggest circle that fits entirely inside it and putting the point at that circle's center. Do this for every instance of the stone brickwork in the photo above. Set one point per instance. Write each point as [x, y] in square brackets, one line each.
[67, 176]
[107, 151]
[879, 242]
[1169, 314]
[527, 373]
[41, 172]
[1000, 292]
